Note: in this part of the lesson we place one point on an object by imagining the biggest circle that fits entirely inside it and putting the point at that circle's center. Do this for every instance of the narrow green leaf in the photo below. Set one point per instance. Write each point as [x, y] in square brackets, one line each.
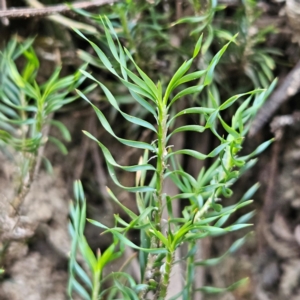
[258, 150]
[135, 189]
[233, 99]
[80, 290]
[144, 103]
[192, 110]
[230, 130]
[238, 284]
[211, 290]
[111, 44]
[223, 34]
[8, 111]
[213, 100]
[183, 196]
[99, 52]
[190, 77]
[109, 158]
[210, 229]
[237, 227]
[218, 149]
[107, 127]
[137, 89]
[160, 236]
[127, 242]
[248, 195]
[130, 213]
[63, 129]
[114, 103]
[237, 122]
[82, 275]
[192, 153]
[191, 180]
[238, 244]
[139, 82]
[82, 219]
[197, 128]
[105, 258]
[187, 91]
[194, 19]
[48, 86]
[210, 262]
[211, 120]
[209, 37]
[145, 77]
[198, 46]
[245, 218]
[58, 144]
[222, 220]
[177, 76]
[214, 62]
[98, 224]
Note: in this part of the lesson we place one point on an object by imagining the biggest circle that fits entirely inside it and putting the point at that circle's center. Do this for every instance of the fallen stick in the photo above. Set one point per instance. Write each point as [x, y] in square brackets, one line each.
[48, 10]
[289, 88]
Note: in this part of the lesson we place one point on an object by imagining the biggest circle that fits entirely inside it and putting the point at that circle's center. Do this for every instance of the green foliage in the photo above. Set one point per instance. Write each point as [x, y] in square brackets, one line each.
[256, 60]
[206, 214]
[26, 111]
[88, 287]
[247, 59]
[135, 46]
[27, 106]
[159, 45]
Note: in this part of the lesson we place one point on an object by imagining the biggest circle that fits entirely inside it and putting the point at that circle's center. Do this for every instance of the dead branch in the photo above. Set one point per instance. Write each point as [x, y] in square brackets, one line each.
[3, 6]
[289, 87]
[48, 10]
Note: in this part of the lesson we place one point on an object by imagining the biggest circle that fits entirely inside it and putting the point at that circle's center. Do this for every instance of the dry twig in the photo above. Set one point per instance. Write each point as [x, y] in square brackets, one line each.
[48, 10]
[3, 7]
[289, 87]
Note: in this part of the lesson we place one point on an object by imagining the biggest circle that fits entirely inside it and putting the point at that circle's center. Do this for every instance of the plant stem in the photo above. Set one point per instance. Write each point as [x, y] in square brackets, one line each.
[190, 271]
[160, 167]
[161, 163]
[166, 276]
[152, 271]
[96, 285]
[203, 210]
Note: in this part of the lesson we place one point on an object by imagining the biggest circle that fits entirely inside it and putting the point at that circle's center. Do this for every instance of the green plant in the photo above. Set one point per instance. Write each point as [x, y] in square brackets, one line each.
[27, 108]
[248, 59]
[255, 60]
[157, 38]
[205, 212]
[26, 111]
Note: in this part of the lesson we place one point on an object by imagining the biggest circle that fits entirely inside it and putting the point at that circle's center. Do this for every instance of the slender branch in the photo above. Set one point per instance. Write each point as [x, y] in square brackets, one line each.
[3, 6]
[289, 88]
[48, 10]
[24, 187]
[203, 210]
[190, 270]
[34, 166]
